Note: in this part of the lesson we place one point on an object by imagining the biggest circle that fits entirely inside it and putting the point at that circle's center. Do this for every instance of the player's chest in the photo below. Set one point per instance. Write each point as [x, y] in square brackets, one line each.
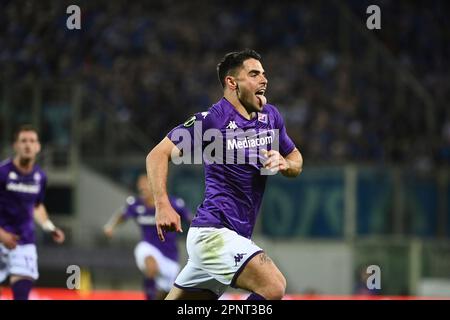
[25, 188]
[144, 216]
[258, 133]
[260, 122]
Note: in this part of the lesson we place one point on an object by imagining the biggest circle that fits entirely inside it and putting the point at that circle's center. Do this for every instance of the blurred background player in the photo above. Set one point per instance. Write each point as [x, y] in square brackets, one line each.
[157, 260]
[22, 189]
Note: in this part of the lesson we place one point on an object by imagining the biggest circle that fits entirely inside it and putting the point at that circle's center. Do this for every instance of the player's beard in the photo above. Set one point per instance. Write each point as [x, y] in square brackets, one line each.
[25, 161]
[247, 99]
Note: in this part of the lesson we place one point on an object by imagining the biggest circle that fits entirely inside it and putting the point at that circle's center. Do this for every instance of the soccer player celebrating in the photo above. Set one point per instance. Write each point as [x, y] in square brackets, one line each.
[219, 245]
[157, 260]
[22, 189]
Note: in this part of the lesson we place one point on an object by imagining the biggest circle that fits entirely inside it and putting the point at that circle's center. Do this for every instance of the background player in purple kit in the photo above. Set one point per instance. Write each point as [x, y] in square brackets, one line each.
[157, 260]
[218, 242]
[22, 189]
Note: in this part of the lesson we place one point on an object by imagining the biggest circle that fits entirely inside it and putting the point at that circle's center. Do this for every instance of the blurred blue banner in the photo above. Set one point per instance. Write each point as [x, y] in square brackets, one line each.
[314, 204]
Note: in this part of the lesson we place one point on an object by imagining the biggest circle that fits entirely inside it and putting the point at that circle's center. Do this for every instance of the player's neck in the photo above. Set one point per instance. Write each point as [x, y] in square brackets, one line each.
[232, 98]
[23, 165]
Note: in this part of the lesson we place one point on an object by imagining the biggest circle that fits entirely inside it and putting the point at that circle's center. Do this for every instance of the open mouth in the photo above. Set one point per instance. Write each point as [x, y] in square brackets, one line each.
[260, 92]
[260, 95]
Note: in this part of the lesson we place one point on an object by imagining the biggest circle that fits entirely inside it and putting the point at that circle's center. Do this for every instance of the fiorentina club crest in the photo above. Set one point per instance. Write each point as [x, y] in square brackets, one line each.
[262, 117]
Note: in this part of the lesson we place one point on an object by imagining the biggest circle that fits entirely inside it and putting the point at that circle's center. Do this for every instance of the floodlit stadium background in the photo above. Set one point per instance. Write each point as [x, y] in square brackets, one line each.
[368, 109]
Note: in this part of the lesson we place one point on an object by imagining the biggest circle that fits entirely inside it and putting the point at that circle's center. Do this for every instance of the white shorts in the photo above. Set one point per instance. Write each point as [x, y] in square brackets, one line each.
[216, 258]
[168, 269]
[21, 261]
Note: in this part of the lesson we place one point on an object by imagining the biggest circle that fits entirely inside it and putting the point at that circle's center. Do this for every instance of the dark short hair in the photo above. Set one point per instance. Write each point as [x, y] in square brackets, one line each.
[22, 128]
[233, 60]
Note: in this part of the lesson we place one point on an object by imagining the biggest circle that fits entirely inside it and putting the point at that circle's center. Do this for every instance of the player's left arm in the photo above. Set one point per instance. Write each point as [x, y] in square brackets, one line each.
[287, 158]
[41, 217]
[293, 165]
[290, 166]
[118, 218]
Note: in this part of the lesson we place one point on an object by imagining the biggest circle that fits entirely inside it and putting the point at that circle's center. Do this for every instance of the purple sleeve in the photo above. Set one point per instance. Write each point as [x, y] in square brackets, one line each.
[286, 144]
[41, 196]
[2, 179]
[188, 135]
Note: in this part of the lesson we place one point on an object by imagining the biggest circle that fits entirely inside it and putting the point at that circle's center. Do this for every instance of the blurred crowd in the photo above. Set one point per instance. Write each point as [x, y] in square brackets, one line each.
[152, 64]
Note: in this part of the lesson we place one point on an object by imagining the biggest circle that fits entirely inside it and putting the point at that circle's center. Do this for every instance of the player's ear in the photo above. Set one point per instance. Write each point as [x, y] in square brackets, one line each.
[231, 82]
[38, 147]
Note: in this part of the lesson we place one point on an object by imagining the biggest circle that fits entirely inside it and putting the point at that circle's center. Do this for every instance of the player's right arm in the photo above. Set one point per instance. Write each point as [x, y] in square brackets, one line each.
[117, 219]
[157, 164]
[8, 239]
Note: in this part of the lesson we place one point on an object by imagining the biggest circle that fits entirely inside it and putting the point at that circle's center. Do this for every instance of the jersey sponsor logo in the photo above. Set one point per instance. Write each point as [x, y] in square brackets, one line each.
[12, 175]
[238, 257]
[232, 125]
[146, 220]
[37, 177]
[219, 146]
[24, 188]
[204, 114]
[131, 200]
[140, 209]
[256, 140]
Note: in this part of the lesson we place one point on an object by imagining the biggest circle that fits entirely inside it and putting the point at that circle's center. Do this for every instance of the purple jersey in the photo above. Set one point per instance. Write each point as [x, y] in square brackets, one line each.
[234, 189]
[145, 218]
[19, 195]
